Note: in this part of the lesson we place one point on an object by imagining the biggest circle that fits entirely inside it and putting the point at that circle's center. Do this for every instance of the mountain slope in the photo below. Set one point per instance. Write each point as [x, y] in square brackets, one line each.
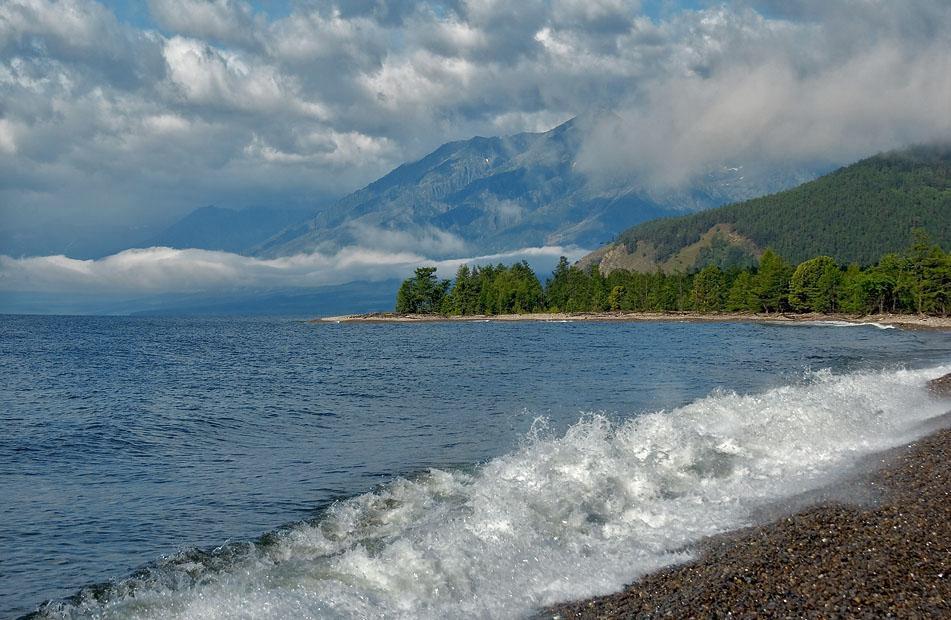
[493, 194]
[228, 230]
[854, 214]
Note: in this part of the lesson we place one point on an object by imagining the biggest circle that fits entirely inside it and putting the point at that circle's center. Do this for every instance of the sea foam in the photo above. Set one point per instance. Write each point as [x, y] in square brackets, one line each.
[561, 517]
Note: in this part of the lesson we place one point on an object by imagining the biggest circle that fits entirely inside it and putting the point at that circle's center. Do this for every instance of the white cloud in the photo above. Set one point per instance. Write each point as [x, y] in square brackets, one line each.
[230, 21]
[323, 147]
[161, 270]
[421, 79]
[209, 76]
[72, 24]
[8, 142]
[314, 36]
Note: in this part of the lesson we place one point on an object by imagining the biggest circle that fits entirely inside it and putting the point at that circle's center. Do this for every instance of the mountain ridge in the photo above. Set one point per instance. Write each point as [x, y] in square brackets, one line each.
[491, 194]
[225, 229]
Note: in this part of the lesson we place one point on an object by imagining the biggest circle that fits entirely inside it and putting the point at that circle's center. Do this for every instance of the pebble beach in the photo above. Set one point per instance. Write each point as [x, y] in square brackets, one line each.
[878, 545]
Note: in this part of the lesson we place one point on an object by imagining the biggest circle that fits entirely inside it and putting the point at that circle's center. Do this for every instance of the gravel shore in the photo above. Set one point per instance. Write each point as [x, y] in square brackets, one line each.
[906, 321]
[883, 552]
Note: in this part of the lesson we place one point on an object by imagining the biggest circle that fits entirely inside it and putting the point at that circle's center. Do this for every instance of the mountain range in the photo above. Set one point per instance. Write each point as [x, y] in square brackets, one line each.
[486, 195]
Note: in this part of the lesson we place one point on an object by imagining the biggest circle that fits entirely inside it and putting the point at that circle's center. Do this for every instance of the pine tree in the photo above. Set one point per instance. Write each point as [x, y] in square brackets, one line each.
[556, 289]
[598, 287]
[771, 283]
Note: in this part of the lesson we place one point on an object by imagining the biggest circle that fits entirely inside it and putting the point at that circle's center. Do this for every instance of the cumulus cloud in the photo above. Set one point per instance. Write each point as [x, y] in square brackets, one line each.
[68, 25]
[229, 21]
[216, 102]
[161, 270]
[208, 76]
[775, 91]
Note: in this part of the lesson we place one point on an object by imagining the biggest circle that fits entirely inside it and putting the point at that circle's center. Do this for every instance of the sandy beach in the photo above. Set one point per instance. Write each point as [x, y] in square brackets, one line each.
[876, 545]
[906, 321]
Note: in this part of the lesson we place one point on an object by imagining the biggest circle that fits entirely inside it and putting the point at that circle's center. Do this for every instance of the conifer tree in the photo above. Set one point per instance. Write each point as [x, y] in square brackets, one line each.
[771, 283]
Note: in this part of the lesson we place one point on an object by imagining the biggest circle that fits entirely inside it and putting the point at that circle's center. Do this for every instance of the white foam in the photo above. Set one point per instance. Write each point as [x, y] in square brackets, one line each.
[832, 323]
[559, 518]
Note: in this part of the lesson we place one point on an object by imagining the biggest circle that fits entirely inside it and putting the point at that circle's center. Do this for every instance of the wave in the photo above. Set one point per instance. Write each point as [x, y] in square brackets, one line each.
[833, 323]
[560, 517]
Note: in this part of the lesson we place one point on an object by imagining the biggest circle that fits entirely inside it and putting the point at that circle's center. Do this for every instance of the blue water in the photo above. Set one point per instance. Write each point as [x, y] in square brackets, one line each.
[125, 440]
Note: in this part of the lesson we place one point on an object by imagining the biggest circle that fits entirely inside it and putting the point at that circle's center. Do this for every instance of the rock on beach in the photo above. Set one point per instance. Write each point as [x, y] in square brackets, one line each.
[941, 386]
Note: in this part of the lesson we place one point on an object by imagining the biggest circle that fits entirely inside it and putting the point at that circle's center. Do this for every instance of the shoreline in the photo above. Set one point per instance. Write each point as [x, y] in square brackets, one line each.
[876, 543]
[905, 321]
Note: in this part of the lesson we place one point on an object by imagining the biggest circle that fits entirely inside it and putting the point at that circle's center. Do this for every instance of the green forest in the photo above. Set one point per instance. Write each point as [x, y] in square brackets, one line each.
[915, 280]
[854, 214]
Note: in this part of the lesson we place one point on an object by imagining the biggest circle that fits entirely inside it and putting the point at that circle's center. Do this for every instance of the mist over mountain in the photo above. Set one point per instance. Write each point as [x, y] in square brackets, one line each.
[493, 194]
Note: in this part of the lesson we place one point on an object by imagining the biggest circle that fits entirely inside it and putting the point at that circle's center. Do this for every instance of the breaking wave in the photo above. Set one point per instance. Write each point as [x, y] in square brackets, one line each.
[561, 517]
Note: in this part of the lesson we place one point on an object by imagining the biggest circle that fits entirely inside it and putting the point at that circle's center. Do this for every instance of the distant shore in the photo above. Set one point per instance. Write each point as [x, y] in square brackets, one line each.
[876, 545]
[907, 321]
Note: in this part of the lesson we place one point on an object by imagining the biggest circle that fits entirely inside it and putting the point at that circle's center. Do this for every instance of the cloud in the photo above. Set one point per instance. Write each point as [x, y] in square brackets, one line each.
[429, 240]
[165, 271]
[228, 21]
[205, 75]
[104, 123]
[759, 92]
[70, 25]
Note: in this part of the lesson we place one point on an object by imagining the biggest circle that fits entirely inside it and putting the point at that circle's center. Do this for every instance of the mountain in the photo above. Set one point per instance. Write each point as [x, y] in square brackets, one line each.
[486, 195]
[855, 214]
[228, 230]
[82, 240]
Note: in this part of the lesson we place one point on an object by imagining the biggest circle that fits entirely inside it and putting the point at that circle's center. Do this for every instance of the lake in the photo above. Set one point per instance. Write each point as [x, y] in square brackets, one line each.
[249, 467]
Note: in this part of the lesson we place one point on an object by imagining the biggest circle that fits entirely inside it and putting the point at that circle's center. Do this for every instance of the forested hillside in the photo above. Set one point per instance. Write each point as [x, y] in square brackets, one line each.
[854, 215]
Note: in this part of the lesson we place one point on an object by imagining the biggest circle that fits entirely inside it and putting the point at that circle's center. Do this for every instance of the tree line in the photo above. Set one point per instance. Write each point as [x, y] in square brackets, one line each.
[917, 280]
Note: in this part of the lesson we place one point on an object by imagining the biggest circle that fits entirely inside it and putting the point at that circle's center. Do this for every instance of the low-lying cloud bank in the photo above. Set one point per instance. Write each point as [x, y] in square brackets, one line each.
[161, 270]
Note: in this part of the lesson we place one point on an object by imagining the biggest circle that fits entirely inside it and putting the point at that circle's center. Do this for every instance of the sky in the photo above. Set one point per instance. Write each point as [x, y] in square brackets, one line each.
[117, 117]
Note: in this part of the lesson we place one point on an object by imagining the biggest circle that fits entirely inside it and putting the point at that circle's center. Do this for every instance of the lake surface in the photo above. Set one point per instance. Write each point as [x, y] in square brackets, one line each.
[271, 467]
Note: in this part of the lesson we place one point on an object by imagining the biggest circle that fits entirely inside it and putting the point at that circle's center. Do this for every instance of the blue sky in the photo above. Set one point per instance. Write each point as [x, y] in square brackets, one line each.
[136, 12]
